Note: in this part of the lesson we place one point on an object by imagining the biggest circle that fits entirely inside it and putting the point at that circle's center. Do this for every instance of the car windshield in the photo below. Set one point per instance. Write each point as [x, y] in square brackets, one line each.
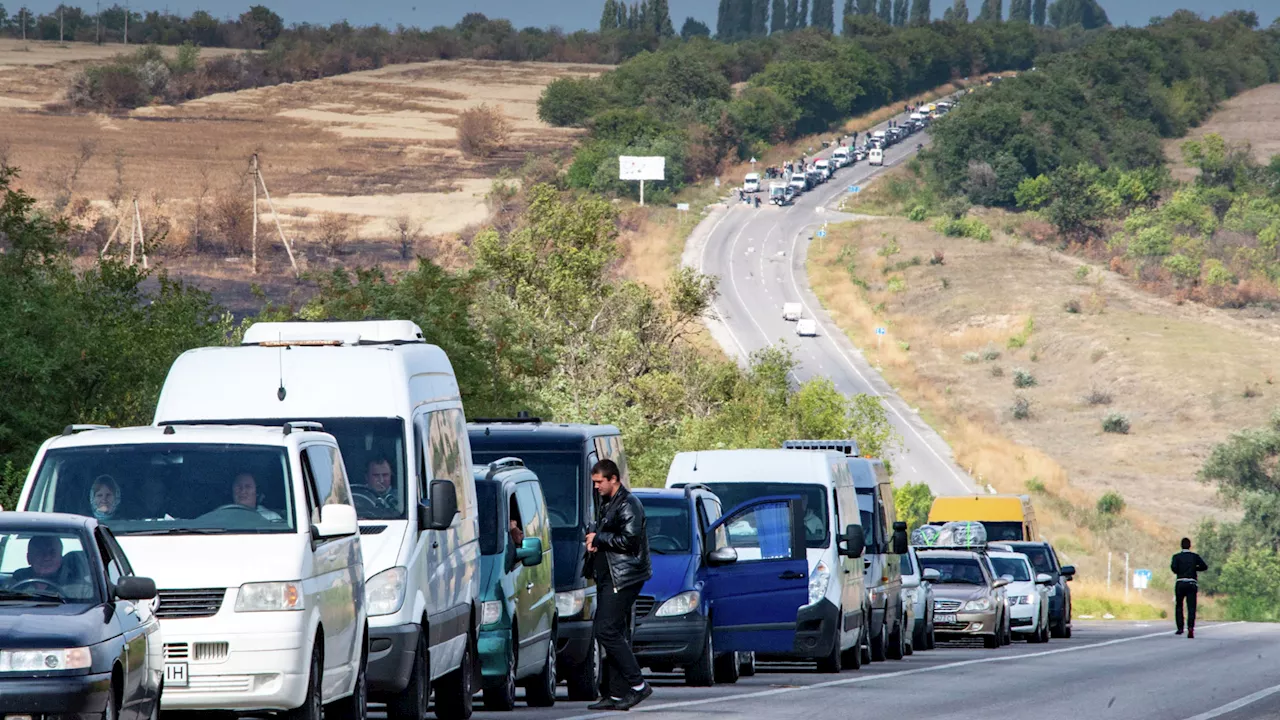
[170, 488]
[45, 566]
[1038, 556]
[666, 521]
[732, 494]
[1015, 568]
[954, 571]
[997, 531]
[489, 515]
[560, 475]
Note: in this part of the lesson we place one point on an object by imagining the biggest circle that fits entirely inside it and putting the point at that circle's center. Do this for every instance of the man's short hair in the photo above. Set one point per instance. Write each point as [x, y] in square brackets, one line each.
[606, 468]
[377, 460]
[1186, 543]
[45, 544]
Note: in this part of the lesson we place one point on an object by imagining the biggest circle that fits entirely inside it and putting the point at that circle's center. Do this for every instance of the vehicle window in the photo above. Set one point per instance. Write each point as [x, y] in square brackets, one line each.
[112, 564]
[732, 494]
[955, 571]
[1039, 558]
[714, 509]
[515, 529]
[534, 525]
[492, 541]
[759, 532]
[170, 488]
[328, 477]
[908, 565]
[871, 525]
[1013, 567]
[116, 550]
[997, 531]
[562, 478]
[50, 563]
[445, 454]
[609, 447]
[667, 523]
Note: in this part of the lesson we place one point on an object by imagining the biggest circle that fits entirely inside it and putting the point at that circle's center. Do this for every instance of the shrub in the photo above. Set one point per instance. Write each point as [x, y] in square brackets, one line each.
[482, 131]
[1250, 392]
[1082, 273]
[1096, 396]
[1111, 503]
[897, 284]
[569, 101]
[990, 353]
[1020, 340]
[1034, 485]
[964, 227]
[332, 233]
[1116, 423]
[1023, 378]
[918, 214]
[1021, 409]
[997, 371]
[971, 358]
[1072, 306]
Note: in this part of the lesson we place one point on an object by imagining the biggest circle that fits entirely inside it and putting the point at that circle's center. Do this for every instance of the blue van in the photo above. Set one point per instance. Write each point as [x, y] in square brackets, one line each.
[672, 613]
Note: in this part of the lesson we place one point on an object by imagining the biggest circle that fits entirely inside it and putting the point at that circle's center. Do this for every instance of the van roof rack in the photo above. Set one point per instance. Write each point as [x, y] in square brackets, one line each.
[304, 425]
[76, 428]
[847, 446]
[506, 463]
[521, 417]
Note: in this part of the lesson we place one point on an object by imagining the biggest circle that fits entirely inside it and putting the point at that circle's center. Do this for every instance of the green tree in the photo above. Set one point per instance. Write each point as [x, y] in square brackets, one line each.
[912, 503]
[1039, 12]
[793, 14]
[569, 101]
[991, 11]
[609, 16]
[957, 13]
[262, 23]
[802, 14]
[885, 12]
[866, 7]
[1076, 208]
[759, 18]
[660, 19]
[1020, 11]
[1086, 13]
[824, 15]
[694, 28]
[921, 12]
[900, 10]
[778, 16]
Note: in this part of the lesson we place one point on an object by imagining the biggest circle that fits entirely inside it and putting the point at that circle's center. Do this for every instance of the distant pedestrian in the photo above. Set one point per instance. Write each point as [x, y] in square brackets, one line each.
[618, 559]
[757, 203]
[1185, 565]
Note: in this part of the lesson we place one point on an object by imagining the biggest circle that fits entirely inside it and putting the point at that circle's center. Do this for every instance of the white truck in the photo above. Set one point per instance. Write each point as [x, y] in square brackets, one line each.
[876, 156]
[825, 167]
[780, 194]
[840, 156]
[799, 183]
[752, 183]
[791, 311]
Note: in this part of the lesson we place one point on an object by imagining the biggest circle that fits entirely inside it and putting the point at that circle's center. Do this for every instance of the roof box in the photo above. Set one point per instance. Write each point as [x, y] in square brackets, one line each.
[369, 332]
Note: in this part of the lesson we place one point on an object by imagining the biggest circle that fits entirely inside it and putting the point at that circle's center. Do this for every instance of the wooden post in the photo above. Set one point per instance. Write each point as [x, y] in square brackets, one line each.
[142, 237]
[133, 237]
[253, 164]
[119, 224]
[276, 216]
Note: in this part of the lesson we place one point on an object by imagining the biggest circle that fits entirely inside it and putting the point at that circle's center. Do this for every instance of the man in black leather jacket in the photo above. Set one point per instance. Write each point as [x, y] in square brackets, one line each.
[1187, 566]
[618, 558]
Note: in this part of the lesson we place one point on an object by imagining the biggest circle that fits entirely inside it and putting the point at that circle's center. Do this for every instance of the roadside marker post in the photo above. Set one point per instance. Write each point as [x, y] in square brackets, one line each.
[855, 189]
[1141, 580]
[880, 333]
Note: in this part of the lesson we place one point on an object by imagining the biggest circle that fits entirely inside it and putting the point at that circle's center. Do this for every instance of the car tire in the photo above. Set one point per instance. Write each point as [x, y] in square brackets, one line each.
[932, 639]
[540, 690]
[702, 672]
[896, 646]
[865, 642]
[111, 710]
[878, 646]
[584, 679]
[992, 641]
[356, 705]
[455, 693]
[746, 664]
[920, 637]
[831, 663]
[312, 708]
[503, 697]
[728, 668]
[1067, 633]
[414, 702]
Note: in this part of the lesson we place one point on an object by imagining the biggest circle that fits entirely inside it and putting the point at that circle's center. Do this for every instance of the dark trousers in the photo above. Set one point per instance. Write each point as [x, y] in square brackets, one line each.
[1185, 591]
[612, 626]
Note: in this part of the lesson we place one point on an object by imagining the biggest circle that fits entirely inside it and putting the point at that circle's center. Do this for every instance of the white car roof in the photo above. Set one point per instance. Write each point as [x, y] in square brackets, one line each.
[752, 465]
[185, 434]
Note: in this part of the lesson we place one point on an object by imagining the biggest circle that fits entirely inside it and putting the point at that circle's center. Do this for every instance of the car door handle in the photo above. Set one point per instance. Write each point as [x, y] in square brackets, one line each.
[791, 575]
[529, 586]
[435, 544]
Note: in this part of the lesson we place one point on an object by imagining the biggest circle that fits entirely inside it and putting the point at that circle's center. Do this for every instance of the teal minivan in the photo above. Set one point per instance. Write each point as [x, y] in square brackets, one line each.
[517, 588]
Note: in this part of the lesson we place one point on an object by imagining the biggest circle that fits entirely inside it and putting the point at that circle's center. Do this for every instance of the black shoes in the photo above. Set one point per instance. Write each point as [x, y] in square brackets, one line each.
[605, 703]
[1179, 632]
[1191, 633]
[634, 698]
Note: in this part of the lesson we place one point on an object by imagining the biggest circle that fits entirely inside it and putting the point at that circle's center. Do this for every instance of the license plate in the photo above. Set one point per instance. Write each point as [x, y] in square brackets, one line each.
[175, 674]
[945, 619]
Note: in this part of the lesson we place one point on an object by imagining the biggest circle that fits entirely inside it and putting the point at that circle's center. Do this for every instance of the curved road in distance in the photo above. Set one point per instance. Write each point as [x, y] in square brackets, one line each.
[759, 256]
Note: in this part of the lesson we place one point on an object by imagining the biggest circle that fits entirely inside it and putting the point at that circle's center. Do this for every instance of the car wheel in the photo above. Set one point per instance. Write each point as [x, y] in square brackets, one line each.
[701, 672]
[1067, 632]
[992, 641]
[865, 642]
[728, 668]
[919, 637]
[932, 639]
[503, 697]
[456, 691]
[584, 679]
[896, 647]
[746, 664]
[356, 706]
[540, 691]
[311, 708]
[878, 644]
[831, 663]
[413, 703]
[110, 712]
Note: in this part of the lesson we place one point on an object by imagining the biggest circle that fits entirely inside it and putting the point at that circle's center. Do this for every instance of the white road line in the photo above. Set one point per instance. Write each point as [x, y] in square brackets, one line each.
[702, 264]
[900, 673]
[733, 282]
[1242, 702]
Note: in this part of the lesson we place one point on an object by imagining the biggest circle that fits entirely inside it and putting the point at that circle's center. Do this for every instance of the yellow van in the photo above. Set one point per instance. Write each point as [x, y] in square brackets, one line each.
[1006, 517]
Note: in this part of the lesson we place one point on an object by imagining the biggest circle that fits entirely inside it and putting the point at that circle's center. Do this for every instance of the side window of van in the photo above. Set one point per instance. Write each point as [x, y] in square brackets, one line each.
[445, 453]
[309, 485]
[321, 473]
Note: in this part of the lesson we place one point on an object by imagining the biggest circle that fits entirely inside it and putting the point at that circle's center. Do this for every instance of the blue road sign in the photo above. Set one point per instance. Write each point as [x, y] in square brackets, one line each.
[855, 189]
[880, 331]
[822, 233]
[1141, 579]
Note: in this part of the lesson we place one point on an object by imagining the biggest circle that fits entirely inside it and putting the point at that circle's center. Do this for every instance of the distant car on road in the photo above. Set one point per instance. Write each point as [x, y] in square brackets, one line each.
[969, 601]
[807, 327]
[1045, 560]
[1028, 595]
[917, 597]
[752, 183]
[791, 311]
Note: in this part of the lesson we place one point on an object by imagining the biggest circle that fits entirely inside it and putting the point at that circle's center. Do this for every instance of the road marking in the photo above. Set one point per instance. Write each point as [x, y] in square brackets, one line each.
[733, 282]
[901, 673]
[1242, 702]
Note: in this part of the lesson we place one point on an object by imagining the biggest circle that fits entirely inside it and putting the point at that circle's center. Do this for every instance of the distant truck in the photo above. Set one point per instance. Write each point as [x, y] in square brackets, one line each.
[876, 156]
[824, 166]
[752, 183]
[799, 183]
[791, 311]
[840, 156]
[780, 194]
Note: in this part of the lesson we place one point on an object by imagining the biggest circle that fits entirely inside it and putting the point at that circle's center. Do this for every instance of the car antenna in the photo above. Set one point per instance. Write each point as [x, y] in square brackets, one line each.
[695, 461]
[280, 392]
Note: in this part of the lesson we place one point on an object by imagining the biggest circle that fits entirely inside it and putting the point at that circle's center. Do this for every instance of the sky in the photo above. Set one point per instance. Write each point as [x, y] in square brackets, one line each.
[578, 14]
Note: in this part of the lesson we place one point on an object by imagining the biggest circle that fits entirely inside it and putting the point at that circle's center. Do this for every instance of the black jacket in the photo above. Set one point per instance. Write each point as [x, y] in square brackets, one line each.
[1186, 564]
[621, 536]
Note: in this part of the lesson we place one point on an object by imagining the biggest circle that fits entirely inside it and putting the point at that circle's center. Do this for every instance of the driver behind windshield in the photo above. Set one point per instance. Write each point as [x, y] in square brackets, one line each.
[47, 569]
[244, 491]
[378, 488]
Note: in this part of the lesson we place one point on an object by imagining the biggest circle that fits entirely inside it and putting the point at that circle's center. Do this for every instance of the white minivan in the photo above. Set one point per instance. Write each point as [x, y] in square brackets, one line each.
[392, 402]
[876, 156]
[251, 537]
[770, 601]
[752, 183]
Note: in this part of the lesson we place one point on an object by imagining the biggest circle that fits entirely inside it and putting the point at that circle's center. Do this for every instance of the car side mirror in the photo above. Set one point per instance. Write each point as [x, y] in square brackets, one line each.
[854, 541]
[530, 552]
[931, 575]
[1068, 571]
[1043, 578]
[1000, 581]
[900, 544]
[136, 588]
[336, 521]
[722, 556]
[444, 506]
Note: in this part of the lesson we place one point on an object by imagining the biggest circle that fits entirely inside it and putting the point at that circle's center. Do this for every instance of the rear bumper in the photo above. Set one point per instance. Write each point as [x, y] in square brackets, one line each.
[78, 696]
[391, 653]
[675, 641]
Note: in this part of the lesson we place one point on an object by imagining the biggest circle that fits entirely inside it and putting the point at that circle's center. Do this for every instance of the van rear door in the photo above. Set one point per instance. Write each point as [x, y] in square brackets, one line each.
[754, 598]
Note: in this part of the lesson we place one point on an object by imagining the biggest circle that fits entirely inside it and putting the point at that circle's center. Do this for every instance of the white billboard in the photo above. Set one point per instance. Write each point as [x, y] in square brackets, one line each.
[631, 167]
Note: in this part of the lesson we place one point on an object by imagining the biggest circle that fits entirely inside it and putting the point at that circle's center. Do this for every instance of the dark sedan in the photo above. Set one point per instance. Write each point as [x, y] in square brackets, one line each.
[78, 634]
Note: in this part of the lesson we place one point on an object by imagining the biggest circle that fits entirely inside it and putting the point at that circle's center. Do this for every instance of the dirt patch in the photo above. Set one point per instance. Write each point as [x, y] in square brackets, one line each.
[1248, 117]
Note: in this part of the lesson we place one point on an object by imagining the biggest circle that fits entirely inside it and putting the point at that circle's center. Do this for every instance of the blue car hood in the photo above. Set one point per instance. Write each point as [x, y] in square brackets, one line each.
[672, 575]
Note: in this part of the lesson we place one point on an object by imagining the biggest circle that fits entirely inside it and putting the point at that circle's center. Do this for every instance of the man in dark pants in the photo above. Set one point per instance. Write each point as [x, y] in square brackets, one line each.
[618, 555]
[1185, 565]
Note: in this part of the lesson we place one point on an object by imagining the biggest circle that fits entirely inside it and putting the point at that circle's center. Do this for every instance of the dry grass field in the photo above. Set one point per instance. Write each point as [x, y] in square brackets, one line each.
[1249, 117]
[370, 149]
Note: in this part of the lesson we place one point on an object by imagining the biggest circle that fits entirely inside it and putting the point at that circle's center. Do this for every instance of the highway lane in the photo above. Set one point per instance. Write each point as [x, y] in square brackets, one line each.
[759, 256]
[1106, 671]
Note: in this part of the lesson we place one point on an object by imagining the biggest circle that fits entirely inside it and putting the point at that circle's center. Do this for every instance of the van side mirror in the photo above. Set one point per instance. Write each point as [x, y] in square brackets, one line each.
[530, 552]
[336, 520]
[931, 575]
[1068, 571]
[136, 588]
[900, 544]
[854, 541]
[1043, 578]
[722, 556]
[444, 506]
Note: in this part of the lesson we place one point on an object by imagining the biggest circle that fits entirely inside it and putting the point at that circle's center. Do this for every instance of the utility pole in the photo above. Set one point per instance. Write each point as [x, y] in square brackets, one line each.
[22, 20]
[97, 22]
[60, 23]
[126, 23]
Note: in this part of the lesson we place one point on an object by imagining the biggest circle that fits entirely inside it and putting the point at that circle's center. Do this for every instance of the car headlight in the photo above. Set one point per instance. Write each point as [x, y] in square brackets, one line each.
[818, 581]
[490, 612]
[76, 658]
[682, 604]
[267, 596]
[384, 593]
[979, 605]
[570, 603]
[1020, 600]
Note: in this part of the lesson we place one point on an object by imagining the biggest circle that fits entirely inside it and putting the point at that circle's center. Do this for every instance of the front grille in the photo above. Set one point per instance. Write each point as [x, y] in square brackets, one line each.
[644, 605]
[176, 651]
[190, 603]
[946, 606]
[211, 651]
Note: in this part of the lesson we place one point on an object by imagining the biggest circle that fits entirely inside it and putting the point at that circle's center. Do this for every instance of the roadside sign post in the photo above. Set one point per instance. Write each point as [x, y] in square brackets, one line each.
[1141, 580]
[855, 189]
[631, 167]
[880, 333]
[1126, 577]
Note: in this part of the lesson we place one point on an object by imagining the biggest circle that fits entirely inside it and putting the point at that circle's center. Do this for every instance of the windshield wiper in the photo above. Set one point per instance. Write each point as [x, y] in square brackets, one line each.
[656, 551]
[8, 595]
[177, 531]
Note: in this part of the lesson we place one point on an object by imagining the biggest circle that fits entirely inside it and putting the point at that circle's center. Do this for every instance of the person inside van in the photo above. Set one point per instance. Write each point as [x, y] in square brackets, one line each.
[378, 487]
[244, 491]
[514, 527]
[104, 497]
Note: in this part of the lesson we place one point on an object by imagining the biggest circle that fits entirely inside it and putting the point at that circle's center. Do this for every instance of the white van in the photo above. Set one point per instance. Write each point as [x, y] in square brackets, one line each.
[251, 537]
[824, 166]
[392, 402]
[840, 156]
[818, 612]
[876, 156]
[752, 183]
[791, 311]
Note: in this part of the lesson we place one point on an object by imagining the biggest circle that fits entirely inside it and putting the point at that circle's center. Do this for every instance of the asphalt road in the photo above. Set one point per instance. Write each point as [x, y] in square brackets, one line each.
[1107, 671]
[759, 256]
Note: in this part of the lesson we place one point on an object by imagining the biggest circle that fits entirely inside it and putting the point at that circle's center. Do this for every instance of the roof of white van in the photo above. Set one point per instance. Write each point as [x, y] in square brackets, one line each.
[348, 333]
[748, 466]
[150, 435]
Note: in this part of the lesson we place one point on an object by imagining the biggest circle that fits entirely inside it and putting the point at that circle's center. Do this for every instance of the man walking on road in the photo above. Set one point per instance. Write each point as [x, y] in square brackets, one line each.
[1185, 565]
[618, 558]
